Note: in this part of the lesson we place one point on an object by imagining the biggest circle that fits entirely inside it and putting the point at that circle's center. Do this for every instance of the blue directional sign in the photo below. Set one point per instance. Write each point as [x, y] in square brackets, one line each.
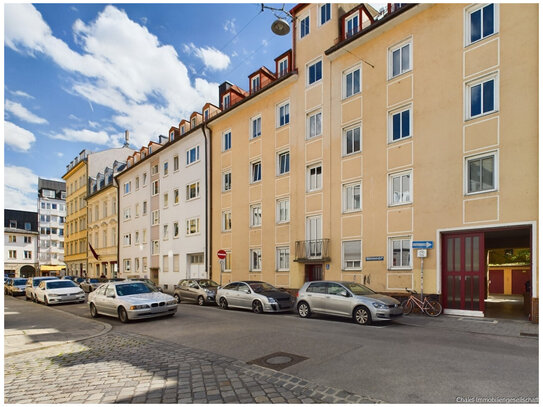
[422, 244]
[375, 258]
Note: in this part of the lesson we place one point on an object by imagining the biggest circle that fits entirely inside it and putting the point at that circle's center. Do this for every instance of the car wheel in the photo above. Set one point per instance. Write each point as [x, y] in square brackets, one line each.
[177, 298]
[201, 300]
[223, 303]
[303, 310]
[34, 298]
[257, 307]
[123, 316]
[93, 311]
[45, 302]
[26, 298]
[362, 315]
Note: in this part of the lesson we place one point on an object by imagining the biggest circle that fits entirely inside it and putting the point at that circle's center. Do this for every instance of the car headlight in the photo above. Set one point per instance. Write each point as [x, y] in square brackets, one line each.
[380, 305]
[142, 306]
[272, 300]
[208, 291]
[171, 302]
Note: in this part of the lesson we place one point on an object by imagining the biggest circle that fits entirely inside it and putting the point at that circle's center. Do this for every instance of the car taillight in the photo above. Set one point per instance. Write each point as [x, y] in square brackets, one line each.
[297, 294]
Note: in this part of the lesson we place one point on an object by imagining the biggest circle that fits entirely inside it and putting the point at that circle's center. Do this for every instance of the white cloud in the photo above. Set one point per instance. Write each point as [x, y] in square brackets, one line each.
[21, 94]
[211, 57]
[23, 113]
[230, 26]
[74, 117]
[84, 136]
[94, 124]
[60, 154]
[17, 137]
[20, 186]
[122, 66]
[265, 43]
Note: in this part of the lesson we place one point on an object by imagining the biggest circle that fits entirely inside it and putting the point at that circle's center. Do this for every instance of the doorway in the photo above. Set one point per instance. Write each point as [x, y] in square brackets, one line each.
[313, 272]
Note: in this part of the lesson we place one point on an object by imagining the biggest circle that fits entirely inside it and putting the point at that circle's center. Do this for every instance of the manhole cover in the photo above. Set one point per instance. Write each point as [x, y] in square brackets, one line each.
[278, 360]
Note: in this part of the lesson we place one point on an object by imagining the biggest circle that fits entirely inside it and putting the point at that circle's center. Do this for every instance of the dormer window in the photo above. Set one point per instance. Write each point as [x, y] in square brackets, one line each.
[226, 101]
[282, 66]
[193, 123]
[206, 114]
[172, 135]
[255, 84]
[352, 25]
[150, 149]
[183, 130]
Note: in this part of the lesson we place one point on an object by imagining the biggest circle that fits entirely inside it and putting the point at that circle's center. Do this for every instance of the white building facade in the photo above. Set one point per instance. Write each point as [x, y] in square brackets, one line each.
[20, 243]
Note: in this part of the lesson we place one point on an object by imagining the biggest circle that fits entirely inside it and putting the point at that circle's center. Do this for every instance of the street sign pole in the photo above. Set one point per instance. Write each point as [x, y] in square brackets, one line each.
[421, 277]
[221, 262]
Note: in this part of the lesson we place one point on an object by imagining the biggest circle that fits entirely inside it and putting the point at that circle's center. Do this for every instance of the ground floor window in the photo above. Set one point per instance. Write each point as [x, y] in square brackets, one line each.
[400, 252]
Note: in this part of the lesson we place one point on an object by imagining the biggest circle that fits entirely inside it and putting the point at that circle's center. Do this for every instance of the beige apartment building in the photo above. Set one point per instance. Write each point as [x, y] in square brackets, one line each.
[396, 148]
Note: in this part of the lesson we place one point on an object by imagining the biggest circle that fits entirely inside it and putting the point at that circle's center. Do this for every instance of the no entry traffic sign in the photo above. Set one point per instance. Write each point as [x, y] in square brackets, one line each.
[221, 254]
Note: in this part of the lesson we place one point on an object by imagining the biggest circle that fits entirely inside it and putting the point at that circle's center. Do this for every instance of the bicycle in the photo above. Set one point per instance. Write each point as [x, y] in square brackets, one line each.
[431, 308]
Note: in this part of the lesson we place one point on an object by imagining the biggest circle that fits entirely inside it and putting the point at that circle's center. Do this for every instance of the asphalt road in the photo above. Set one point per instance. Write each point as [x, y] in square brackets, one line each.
[393, 362]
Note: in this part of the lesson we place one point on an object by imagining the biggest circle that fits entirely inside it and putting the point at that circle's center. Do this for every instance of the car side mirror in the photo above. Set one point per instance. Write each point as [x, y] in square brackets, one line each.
[248, 291]
[110, 295]
[346, 294]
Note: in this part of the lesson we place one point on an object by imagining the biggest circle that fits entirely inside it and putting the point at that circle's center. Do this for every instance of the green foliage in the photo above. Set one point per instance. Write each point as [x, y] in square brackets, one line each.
[509, 256]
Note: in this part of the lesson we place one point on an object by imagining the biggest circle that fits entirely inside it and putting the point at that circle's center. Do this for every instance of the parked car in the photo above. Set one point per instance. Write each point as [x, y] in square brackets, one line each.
[78, 280]
[348, 299]
[90, 284]
[257, 296]
[147, 281]
[31, 285]
[6, 283]
[58, 291]
[16, 286]
[129, 300]
[199, 290]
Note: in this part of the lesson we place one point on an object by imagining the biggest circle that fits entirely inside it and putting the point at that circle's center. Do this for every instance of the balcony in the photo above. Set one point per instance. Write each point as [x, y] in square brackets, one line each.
[312, 251]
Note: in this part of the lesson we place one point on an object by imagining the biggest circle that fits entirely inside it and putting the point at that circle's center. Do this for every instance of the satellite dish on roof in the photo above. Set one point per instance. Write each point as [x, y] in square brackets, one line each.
[280, 27]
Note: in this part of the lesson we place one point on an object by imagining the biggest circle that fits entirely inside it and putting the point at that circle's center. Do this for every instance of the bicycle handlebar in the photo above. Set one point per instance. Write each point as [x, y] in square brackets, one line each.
[411, 291]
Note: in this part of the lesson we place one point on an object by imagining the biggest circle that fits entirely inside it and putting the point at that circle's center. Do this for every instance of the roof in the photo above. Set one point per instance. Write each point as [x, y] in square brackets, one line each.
[51, 184]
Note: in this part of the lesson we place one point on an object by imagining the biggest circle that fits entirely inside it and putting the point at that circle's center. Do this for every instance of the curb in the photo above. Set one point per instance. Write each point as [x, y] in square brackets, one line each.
[105, 329]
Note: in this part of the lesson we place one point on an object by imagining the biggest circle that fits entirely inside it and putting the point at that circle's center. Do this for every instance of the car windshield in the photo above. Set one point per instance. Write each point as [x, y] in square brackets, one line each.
[259, 287]
[19, 281]
[207, 283]
[358, 289]
[36, 282]
[133, 288]
[60, 284]
[93, 280]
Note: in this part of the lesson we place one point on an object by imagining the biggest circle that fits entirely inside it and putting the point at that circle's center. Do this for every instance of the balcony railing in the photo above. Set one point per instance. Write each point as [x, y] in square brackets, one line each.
[312, 251]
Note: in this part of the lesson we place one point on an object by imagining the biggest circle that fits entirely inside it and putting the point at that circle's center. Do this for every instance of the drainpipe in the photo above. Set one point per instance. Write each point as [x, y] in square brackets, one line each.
[207, 200]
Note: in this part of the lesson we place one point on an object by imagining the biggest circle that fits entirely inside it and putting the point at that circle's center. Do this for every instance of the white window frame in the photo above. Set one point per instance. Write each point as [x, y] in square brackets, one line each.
[257, 266]
[467, 22]
[228, 261]
[278, 162]
[310, 115]
[127, 239]
[227, 133]
[175, 228]
[308, 66]
[165, 200]
[390, 251]
[495, 174]
[344, 139]
[255, 133]
[302, 35]
[255, 213]
[137, 183]
[126, 214]
[126, 265]
[400, 175]
[344, 263]
[165, 168]
[154, 169]
[165, 232]
[280, 253]
[127, 187]
[176, 163]
[282, 206]
[255, 83]
[348, 72]
[252, 174]
[391, 115]
[280, 63]
[155, 217]
[206, 114]
[349, 207]
[226, 221]
[197, 155]
[176, 196]
[286, 107]
[188, 187]
[224, 184]
[479, 81]
[355, 15]
[155, 247]
[226, 100]
[391, 50]
[188, 230]
[319, 19]
[155, 188]
[318, 179]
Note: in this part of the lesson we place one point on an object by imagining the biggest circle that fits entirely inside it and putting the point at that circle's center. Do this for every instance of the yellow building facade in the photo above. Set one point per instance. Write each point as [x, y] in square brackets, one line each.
[413, 128]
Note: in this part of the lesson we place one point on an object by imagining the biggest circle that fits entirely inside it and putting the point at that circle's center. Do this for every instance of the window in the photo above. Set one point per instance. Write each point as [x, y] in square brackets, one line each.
[352, 197]
[314, 72]
[96, 212]
[13, 238]
[43, 205]
[154, 247]
[136, 237]
[283, 210]
[399, 124]
[256, 215]
[126, 264]
[126, 213]
[193, 123]
[256, 127]
[176, 263]
[283, 66]
[481, 23]
[144, 236]
[256, 172]
[154, 169]
[27, 254]
[155, 217]
[481, 173]
[399, 59]
[283, 254]
[12, 254]
[127, 187]
[193, 226]
[137, 210]
[325, 12]
[255, 83]
[226, 181]
[137, 264]
[176, 163]
[352, 255]
[481, 97]
[314, 177]
[351, 82]
[352, 142]
[314, 125]
[227, 141]
[226, 101]
[144, 263]
[114, 206]
[176, 229]
[206, 114]
[400, 188]
[137, 183]
[175, 196]
[165, 167]
[53, 206]
[144, 178]
[165, 196]
[144, 211]
[172, 135]
[256, 259]
[283, 114]
[228, 261]
[47, 193]
[156, 188]
[352, 25]
[399, 253]
[193, 190]
[283, 163]
[226, 221]
[165, 264]
[26, 239]
[193, 155]
[104, 209]
[165, 231]
[127, 239]
[304, 27]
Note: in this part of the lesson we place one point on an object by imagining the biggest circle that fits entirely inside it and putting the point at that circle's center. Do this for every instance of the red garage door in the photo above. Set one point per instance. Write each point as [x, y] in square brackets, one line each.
[495, 285]
[520, 277]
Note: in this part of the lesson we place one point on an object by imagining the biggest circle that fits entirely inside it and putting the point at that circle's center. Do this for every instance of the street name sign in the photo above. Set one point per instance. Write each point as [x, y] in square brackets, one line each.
[422, 244]
[375, 258]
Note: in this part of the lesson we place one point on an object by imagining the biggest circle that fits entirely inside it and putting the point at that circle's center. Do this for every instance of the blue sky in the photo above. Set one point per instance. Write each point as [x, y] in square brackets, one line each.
[77, 75]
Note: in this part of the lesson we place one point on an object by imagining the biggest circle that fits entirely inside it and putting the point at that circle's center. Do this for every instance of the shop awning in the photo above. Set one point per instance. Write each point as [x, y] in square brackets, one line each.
[52, 268]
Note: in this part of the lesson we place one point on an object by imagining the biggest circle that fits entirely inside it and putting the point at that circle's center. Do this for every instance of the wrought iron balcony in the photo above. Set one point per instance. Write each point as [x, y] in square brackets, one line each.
[312, 251]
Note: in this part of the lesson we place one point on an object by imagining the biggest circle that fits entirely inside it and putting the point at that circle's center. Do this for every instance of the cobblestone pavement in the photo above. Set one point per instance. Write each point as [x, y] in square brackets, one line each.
[131, 368]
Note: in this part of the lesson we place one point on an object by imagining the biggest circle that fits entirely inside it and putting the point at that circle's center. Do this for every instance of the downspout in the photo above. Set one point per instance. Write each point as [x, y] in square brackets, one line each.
[208, 231]
[117, 203]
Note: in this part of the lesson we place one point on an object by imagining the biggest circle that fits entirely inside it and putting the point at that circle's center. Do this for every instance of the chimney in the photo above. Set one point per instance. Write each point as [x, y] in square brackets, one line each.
[126, 138]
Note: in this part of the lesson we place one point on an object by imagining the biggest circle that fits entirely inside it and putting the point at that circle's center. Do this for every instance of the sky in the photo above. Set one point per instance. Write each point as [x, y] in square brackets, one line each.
[76, 76]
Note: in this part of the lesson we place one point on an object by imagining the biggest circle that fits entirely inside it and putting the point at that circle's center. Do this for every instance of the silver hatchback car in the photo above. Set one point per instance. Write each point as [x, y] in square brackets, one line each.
[346, 299]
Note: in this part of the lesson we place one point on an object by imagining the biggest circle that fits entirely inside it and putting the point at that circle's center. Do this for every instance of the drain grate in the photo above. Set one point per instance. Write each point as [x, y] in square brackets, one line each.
[278, 360]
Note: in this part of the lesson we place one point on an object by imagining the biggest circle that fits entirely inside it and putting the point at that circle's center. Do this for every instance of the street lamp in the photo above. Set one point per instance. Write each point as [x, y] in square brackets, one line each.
[281, 25]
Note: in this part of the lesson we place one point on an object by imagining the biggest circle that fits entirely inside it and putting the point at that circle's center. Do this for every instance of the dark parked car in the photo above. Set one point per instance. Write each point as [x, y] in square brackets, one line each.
[16, 286]
[90, 284]
[254, 295]
[199, 290]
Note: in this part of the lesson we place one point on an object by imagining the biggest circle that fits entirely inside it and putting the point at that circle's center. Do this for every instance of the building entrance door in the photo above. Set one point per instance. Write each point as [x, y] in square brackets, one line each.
[463, 282]
[313, 272]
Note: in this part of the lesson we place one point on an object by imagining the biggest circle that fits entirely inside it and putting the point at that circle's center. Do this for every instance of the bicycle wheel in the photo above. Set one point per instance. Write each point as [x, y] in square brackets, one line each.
[407, 307]
[433, 308]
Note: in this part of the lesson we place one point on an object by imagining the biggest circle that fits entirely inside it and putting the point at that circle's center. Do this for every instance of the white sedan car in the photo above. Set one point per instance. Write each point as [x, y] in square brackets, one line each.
[130, 300]
[58, 291]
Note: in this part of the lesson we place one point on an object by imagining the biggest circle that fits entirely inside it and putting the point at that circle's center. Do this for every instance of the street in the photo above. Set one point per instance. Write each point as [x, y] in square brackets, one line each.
[396, 362]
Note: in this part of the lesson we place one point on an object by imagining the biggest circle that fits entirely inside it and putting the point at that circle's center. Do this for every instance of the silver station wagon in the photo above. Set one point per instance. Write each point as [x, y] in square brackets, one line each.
[346, 299]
